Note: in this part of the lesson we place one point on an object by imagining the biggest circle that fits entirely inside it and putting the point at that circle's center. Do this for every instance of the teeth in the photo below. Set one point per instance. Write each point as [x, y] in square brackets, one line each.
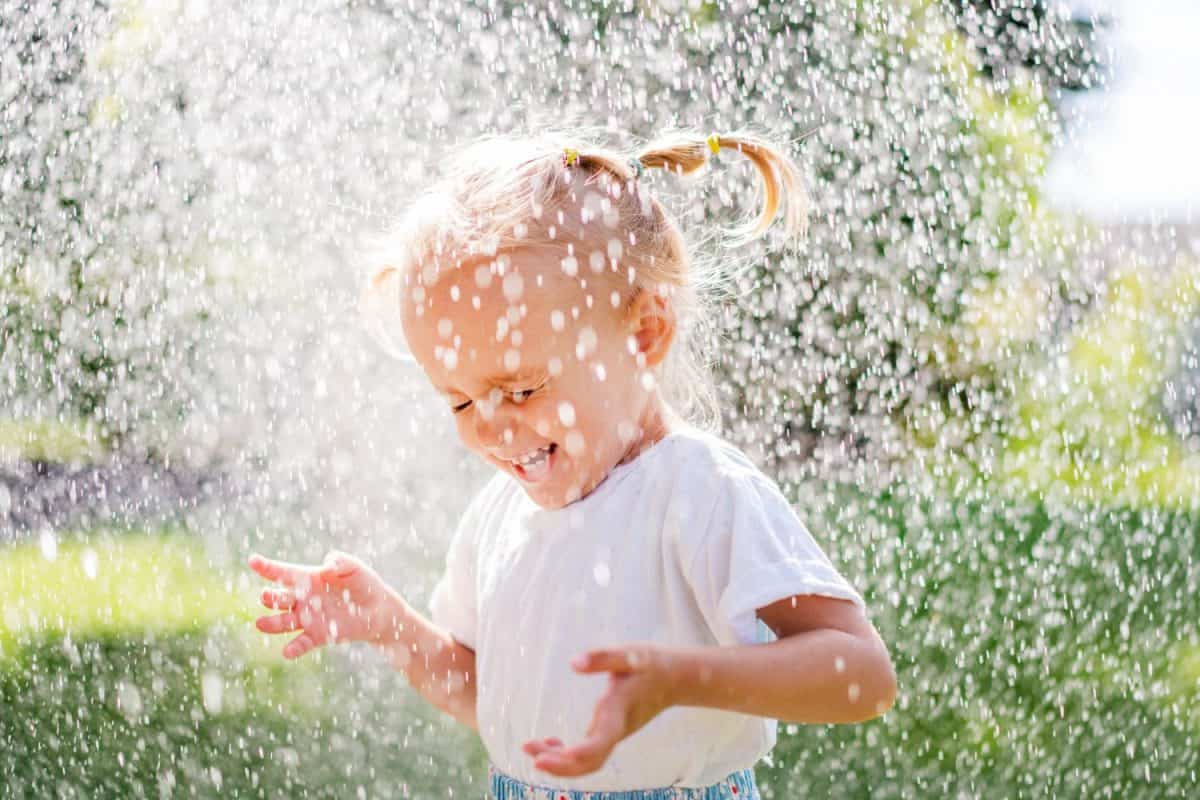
[535, 455]
[532, 456]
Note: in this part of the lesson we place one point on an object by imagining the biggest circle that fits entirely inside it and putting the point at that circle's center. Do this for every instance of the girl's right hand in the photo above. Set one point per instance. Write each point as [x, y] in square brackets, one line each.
[341, 600]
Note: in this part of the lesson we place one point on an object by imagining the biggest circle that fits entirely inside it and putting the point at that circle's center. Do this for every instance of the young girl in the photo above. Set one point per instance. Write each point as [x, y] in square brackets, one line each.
[629, 604]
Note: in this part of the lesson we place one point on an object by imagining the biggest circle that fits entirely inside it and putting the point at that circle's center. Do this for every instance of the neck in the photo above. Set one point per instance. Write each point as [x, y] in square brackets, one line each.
[657, 421]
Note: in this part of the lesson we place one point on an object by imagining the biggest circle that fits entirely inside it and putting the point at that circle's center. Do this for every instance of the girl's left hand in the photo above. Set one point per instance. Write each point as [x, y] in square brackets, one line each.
[639, 689]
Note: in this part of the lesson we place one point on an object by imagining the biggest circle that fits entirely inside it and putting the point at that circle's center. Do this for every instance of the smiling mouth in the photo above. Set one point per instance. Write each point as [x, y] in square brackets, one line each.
[535, 466]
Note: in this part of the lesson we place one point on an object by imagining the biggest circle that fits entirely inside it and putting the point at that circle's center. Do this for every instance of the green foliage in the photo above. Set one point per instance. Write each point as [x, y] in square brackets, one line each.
[1042, 651]
[1040, 36]
[1092, 425]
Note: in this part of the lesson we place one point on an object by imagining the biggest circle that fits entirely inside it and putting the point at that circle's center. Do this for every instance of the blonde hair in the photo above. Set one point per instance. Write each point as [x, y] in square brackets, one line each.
[503, 194]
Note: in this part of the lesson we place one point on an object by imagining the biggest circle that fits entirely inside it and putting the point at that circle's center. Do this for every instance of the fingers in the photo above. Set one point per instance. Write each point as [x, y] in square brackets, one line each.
[536, 747]
[585, 757]
[607, 728]
[335, 565]
[280, 599]
[280, 571]
[280, 623]
[300, 645]
[606, 661]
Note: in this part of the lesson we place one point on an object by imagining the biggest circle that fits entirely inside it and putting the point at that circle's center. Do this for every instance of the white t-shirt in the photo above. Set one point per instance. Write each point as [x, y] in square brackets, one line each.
[678, 547]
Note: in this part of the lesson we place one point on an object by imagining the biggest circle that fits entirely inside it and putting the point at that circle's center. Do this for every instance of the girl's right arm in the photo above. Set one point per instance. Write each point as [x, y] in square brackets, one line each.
[344, 600]
[438, 666]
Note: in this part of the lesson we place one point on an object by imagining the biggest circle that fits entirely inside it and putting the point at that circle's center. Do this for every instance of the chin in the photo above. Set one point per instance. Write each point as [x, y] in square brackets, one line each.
[546, 498]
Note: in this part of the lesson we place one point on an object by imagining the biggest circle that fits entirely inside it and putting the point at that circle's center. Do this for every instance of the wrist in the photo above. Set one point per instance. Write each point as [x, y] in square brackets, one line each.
[689, 676]
[389, 621]
[679, 675]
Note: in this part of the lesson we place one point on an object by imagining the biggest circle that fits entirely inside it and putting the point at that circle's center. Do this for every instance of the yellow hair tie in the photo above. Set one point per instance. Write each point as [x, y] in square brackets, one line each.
[572, 155]
[714, 143]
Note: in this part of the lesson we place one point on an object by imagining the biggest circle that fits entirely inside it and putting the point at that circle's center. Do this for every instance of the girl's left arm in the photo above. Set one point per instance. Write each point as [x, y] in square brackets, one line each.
[829, 665]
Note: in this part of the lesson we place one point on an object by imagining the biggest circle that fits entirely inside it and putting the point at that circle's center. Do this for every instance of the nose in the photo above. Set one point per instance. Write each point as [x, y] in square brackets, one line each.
[494, 423]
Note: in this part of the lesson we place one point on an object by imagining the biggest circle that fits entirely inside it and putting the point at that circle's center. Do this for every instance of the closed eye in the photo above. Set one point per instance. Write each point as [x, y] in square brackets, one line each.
[521, 395]
[517, 396]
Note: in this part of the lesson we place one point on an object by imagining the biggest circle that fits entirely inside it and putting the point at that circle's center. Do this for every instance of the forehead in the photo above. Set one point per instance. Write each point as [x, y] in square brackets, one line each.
[504, 315]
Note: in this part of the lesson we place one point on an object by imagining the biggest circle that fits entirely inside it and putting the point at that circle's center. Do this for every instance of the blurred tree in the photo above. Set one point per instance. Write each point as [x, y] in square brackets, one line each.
[43, 122]
[1181, 395]
[100, 319]
[1110, 419]
[933, 268]
[1045, 38]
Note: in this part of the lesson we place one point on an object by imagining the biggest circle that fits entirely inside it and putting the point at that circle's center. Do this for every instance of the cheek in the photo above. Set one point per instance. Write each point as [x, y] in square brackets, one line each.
[466, 429]
[539, 414]
[614, 365]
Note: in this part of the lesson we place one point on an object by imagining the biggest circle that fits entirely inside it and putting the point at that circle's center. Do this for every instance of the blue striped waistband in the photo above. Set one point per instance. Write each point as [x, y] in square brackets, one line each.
[738, 786]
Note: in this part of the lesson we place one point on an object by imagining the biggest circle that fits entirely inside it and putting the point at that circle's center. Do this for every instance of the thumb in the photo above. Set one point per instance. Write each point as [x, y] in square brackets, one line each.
[339, 565]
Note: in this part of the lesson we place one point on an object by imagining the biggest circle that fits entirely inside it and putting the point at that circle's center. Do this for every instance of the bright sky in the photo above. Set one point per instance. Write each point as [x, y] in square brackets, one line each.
[1134, 154]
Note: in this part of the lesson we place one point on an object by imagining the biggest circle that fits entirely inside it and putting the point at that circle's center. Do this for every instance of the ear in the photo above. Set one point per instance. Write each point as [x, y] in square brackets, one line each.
[651, 321]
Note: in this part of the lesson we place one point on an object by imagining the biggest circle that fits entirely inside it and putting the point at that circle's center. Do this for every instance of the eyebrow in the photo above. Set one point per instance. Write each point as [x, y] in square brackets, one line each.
[519, 377]
[505, 379]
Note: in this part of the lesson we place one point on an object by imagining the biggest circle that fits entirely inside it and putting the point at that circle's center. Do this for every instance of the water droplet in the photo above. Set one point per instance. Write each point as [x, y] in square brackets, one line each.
[513, 286]
[91, 563]
[566, 413]
[483, 276]
[49, 545]
[212, 689]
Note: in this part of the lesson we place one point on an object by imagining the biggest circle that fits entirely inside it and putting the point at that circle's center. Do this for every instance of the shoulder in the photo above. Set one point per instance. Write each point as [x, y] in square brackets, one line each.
[717, 494]
[706, 462]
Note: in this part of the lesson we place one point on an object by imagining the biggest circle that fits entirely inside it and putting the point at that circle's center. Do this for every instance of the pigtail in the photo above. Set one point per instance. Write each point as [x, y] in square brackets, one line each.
[686, 152]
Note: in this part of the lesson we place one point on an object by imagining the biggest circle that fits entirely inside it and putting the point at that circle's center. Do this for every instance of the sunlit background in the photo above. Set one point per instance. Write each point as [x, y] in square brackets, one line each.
[1130, 156]
[977, 380]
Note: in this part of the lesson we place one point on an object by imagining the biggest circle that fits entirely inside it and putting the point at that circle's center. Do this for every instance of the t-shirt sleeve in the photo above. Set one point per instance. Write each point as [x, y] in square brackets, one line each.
[453, 604]
[753, 551]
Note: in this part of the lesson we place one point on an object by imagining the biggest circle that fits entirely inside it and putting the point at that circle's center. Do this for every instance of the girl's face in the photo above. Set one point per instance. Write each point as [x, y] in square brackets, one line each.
[541, 374]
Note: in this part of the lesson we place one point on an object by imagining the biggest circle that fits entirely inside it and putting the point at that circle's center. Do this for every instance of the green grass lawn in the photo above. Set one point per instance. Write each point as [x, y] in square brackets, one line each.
[1039, 653]
[112, 585]
[130, 667]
